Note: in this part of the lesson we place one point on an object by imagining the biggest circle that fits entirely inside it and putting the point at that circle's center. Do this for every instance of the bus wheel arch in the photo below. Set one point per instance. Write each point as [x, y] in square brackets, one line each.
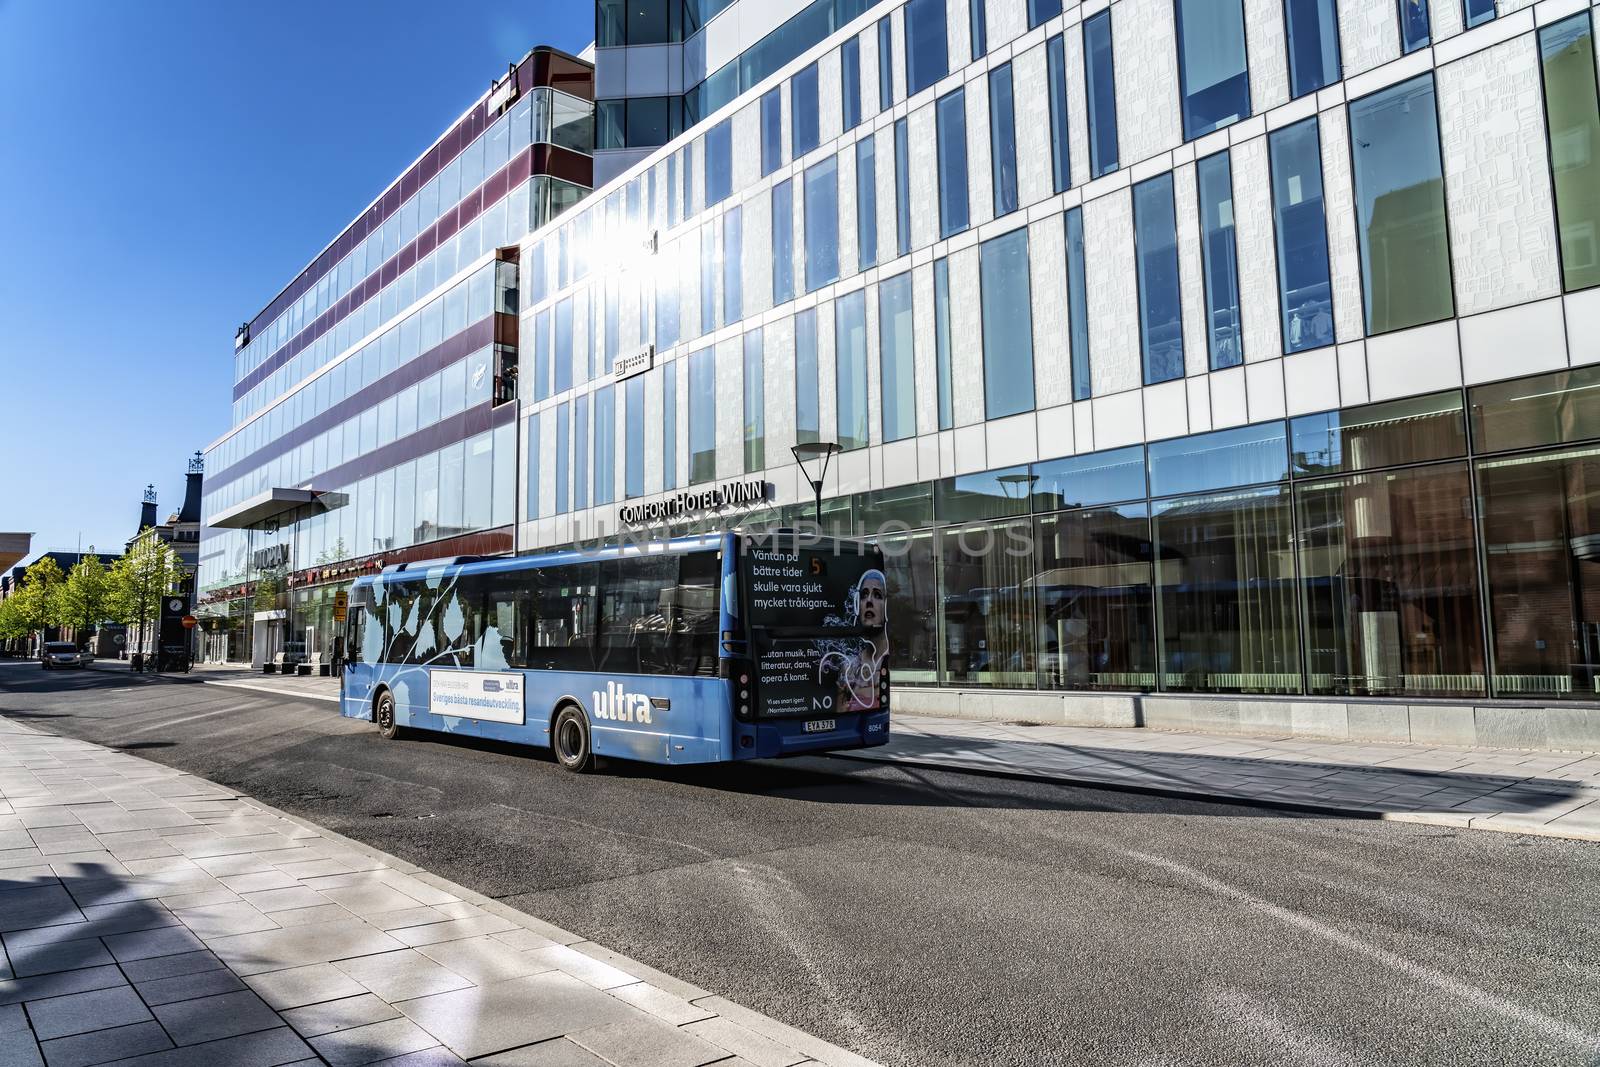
[571, 739]
[383, 714]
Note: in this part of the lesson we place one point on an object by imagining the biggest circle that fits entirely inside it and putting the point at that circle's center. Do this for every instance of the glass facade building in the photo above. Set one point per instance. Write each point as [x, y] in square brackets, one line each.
[1162, 371]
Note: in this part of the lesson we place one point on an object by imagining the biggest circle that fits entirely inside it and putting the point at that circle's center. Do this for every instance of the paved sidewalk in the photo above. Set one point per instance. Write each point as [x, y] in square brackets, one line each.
[151, 917]
[1555, 794]
[1518, 790]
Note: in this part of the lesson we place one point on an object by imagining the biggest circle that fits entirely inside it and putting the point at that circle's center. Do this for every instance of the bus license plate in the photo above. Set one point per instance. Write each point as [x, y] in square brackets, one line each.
[817, 726]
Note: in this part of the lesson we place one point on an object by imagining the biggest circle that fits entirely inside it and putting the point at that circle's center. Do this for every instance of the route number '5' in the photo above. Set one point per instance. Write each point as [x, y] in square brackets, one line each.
[816, 565]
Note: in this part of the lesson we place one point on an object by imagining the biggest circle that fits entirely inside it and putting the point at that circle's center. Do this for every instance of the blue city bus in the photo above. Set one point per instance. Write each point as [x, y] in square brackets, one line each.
[694, 650]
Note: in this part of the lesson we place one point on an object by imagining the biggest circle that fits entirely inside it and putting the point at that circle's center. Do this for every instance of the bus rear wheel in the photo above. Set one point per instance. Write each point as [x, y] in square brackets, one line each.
[569, 738]
[383, 712]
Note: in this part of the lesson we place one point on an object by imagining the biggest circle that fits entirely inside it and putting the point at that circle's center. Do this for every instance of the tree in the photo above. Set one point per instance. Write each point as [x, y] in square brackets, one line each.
[139, 580]
[82, 601]
[28, 609]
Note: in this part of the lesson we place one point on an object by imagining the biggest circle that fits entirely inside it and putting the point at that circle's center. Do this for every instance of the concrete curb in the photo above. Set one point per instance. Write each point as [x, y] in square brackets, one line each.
[1498, 822]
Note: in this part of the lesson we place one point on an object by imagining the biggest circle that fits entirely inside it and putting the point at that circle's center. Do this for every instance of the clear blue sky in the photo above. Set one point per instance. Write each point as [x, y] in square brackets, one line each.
[168, 166]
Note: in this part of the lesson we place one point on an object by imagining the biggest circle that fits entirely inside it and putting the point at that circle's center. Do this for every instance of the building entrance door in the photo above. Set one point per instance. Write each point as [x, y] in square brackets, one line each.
[267, 637]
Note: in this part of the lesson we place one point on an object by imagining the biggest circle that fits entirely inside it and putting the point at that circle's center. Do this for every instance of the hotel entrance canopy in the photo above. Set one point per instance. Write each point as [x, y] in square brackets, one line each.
[275, 504]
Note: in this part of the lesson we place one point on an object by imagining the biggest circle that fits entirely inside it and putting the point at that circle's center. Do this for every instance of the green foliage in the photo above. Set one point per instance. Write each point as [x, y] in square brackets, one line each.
[82, 600]
[28, 610]
[138, 581]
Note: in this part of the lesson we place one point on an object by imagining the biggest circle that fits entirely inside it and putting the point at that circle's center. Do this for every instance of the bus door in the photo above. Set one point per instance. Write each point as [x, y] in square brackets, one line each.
[355, 682]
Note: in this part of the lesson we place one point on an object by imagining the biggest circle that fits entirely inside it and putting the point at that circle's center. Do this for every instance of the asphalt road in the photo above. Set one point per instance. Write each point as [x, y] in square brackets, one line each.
[927, 918]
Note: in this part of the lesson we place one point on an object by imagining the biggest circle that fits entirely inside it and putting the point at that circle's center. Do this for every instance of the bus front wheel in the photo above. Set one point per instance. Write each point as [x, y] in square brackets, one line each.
[383, 712]
[569, 737]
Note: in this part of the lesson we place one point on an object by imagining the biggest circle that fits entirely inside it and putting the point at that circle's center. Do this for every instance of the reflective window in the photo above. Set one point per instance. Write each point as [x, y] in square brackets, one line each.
[1219, 260]
[1307, 297]
[885, 65]
[1405, 254]
[804, 116]
[912, 586]
[1082, 481]
[902, 188]
[807, 419]
[822, 223]
[754, 433]
[927, 50]
[987, 605]
[1395, 432]
[1390, 577]
[978, 28]
[708, 278]
[941, 341]
[1242, 456]
[1060, 138]
[1097, 627]
[733, 265]
[1007, 325]
[850, 81]
[951, 120]
[1477, 12]
[771, 131]
[612, 325]
[1102, 94]
[633, 402]
[866, 202]
[783, 242]
[1002, 140]
[580, 452]
[1211, 65]
[1414, 31]
[562, 471]
[669, 426]
[1543, 572]
[702, 416]
[896, 364]
[1078, 307]
[1226, 593]
[1548, 409]
[1040, 10]
[719, 162]
[1312, 43]
[605, 445]
[1156, 255]
[850, 369]
[1572, 117]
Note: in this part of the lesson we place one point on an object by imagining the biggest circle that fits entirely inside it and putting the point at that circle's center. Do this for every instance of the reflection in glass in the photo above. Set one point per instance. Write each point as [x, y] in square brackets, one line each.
[1389, 572]
[1572, 116]
[1303, 286]
[1156, 256]
[1414, 430]
[702, 416]
[1078, 306]
[633, 473]
[902, 188]
[1041, 10]
[866, 202]
[807, 420]
[1245, 455]
[896, 364]
[1096, 615]
[1477, 12]
[782, 242]
[580, 452]
[941, 341]
[1405, 255]
[719, 162]
[1414, 30]
[850, 369]
[850, 81]
[754, 434]
[1211, 65]
[669, 426]
[951, 121]
[771, 131]
[927, 53]
[732, 265]
[822, 223]
[804, 117]
[1541, 534]
[913, 607]
[1102, 94]
[978, 28]
[1547, 409]
[605, 445]
[1218, 256]
[1095, 478]
[1007, 325]
[992, 494]
[1060, 137]
[1002, 140]
[987, 611]
[885, 65]
[1225, 571]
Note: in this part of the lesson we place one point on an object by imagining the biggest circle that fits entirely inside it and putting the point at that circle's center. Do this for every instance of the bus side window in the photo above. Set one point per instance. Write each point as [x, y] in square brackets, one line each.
[564, 624]
[637, 609]
[353, 629]
[699, 586]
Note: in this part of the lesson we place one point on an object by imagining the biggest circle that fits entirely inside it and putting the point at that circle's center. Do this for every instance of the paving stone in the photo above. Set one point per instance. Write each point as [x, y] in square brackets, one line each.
[259, 880]
[44, 905]
[26, 876]
[437, 1056]
[644, 1041]
[555, 1053]
[297, 986]
[323, 913]
[453, 930]
[402, 975]
[219, 920]
[12, 1018]
[476, 1022]
[219, 866]
[600, 975]
[375, 1041]
[101, 1046]
[10, 839]
[421, 915]
[58, 956]
[660, 1003]
[285, 899]
[314, 1020]
[484, 960]
[14, 858]
[158, 967]
[189, 986]
[265, 1048]
[19, 1049]
[746, 1043]
[143, 944]
[209, 1018]
[78, 1013]
[370, 898]
[60, 983]
[272, 950]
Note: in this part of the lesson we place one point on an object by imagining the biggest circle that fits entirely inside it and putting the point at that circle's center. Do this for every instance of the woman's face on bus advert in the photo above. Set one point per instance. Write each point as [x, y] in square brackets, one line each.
[872, 605]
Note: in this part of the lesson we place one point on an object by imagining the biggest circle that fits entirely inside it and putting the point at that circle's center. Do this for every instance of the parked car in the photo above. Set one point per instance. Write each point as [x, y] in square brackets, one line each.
[64, 654]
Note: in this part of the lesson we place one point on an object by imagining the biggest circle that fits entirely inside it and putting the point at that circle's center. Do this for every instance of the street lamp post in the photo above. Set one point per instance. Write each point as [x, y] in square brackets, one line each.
[817, 453]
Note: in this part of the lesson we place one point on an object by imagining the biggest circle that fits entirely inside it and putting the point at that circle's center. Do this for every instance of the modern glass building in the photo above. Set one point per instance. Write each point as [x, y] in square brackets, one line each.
[374, 415]
[1209, 363]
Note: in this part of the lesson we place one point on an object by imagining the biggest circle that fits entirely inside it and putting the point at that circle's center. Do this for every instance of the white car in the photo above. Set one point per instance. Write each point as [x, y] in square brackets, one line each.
[64, 654]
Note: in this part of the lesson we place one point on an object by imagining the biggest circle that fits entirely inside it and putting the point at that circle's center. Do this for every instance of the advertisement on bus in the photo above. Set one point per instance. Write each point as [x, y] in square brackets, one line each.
[819, 617]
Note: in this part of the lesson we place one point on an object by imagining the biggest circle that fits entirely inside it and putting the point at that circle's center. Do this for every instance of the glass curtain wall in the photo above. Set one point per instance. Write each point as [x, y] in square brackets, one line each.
[1572, 118]
[1219, 261]
[1304, 289]
[896, 366]
[1211, 65]
[1313, 40]
[1007, 325]
[1155, 241]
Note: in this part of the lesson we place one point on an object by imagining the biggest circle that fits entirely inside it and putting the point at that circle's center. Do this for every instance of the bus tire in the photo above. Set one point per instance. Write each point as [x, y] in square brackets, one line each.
[569, 740]
[383, 715]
